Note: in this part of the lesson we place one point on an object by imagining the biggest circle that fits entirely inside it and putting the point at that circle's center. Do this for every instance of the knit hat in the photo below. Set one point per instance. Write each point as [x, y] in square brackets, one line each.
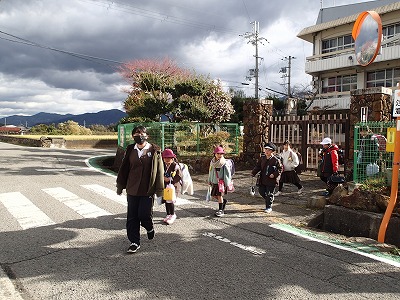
[168, 153]
[219, 149]
[326, 141]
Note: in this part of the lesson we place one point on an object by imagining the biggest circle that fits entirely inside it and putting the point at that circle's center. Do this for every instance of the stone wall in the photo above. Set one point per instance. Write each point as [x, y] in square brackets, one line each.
[256, 114]
[52, 142]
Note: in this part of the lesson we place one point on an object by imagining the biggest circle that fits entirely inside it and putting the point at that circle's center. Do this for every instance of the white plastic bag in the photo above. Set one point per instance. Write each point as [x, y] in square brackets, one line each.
[208, 195]
[252, 190]
[372, 169]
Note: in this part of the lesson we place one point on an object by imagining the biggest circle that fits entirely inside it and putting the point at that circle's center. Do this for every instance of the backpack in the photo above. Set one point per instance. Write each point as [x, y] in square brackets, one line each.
[186, 182]
[230, 164]
[341, 158]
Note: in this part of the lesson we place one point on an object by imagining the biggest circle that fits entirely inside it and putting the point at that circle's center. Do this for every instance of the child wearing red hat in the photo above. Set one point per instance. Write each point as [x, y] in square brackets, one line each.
[219, 171]
[172, 174]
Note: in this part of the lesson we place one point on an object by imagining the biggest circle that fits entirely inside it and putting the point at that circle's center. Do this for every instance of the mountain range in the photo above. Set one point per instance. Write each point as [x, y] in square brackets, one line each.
[105, 117]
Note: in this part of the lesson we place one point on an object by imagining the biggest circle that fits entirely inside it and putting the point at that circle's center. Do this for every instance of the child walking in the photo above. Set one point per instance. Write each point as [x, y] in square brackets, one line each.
[172, 174]
[219, 171]
[270, 169]
[290, 161]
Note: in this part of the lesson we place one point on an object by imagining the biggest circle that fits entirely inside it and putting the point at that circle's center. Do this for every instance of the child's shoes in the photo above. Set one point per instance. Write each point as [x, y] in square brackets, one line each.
[171, 219]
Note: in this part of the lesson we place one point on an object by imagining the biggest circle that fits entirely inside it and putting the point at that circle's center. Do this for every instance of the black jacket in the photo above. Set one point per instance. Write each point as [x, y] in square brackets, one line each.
[266, 167]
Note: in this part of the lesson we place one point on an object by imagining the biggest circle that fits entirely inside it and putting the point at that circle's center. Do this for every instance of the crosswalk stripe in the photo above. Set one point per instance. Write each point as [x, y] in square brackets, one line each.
[182, 201]
[24, 211]
[79, 205]
[121, 199]
[105, 192]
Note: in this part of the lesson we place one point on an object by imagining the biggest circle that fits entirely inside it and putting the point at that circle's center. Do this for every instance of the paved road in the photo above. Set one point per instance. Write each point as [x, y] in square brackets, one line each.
[62, 236]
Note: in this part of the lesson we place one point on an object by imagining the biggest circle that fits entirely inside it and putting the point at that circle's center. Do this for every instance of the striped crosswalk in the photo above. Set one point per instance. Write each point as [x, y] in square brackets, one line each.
[24, 211]
[28, 215]
[79, 205]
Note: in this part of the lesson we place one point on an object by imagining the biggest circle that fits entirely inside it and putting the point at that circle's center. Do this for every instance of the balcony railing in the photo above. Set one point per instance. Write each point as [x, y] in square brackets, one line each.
[345, 59]
[332, 102]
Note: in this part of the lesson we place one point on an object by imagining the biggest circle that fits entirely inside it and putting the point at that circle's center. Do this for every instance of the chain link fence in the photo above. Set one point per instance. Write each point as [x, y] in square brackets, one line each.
[186, 138]
[373, 152]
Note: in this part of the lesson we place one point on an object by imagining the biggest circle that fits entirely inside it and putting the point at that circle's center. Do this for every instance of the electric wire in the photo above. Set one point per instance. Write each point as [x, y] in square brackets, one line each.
[20, 40]
[134, 10]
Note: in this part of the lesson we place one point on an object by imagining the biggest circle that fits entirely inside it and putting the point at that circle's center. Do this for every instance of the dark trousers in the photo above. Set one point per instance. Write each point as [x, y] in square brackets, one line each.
[330, 186]
[267, 192]
[140, 212]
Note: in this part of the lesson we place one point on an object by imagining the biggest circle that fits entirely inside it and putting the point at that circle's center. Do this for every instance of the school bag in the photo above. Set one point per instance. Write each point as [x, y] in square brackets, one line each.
[187, 183]
[341, 157]
[230, 164]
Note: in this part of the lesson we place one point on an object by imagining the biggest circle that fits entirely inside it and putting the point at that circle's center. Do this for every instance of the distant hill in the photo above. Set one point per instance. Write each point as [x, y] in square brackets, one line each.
[105, 117]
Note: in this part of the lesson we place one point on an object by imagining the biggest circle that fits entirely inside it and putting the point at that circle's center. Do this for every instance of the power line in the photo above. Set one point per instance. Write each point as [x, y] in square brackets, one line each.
[134, 10]
[20, 40]
[247, 12]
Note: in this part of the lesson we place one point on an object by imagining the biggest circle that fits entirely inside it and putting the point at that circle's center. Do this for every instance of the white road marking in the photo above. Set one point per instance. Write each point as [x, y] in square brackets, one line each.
[251, 249]
[105, 192]
[24, 211]
[181, 201]
[121, 199]
[79, 205]
[63, 169]
[304, 235]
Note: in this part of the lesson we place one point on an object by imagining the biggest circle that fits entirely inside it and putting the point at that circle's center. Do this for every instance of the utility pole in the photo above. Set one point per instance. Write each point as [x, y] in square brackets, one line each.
[256, 29]
[289, 68]
[254, 39]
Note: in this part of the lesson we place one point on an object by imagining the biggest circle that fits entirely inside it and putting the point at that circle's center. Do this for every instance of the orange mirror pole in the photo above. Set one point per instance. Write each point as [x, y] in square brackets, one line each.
[395, 187]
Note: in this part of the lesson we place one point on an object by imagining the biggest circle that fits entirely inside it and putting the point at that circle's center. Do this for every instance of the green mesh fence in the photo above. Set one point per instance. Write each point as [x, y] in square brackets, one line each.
[186, 138]
[372, 161]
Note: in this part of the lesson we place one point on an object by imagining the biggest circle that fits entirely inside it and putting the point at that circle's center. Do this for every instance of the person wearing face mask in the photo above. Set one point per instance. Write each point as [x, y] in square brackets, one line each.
[270, 169]
[142, 176]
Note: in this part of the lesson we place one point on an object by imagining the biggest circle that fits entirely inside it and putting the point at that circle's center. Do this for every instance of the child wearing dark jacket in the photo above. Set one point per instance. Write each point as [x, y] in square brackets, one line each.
[270, 169]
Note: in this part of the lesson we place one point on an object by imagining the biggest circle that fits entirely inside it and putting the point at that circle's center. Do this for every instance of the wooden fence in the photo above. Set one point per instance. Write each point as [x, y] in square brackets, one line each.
[306, 132]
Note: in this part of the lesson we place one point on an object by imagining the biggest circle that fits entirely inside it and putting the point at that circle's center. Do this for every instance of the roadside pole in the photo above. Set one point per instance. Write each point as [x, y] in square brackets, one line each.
[395, 171]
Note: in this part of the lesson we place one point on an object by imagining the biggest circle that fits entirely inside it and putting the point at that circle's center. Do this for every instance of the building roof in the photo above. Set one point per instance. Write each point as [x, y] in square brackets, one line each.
[345, 14]
[9, 129]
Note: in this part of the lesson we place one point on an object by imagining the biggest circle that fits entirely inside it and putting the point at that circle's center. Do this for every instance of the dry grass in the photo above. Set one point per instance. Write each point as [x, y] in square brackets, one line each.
[70, 137]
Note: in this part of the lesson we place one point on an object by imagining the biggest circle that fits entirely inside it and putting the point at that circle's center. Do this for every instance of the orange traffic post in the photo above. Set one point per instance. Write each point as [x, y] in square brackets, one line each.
[395, 187]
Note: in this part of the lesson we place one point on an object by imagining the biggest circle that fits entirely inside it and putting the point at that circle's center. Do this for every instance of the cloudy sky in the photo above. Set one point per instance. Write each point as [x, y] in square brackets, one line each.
[61, 56]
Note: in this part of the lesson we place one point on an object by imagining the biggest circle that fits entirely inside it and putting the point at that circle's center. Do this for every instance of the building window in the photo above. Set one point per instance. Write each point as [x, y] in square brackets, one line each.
[339, 84]
[390, 31]
[337, 43]
[384, 78]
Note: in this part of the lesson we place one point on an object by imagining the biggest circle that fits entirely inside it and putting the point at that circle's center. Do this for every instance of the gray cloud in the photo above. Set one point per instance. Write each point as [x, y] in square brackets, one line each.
[200, 35]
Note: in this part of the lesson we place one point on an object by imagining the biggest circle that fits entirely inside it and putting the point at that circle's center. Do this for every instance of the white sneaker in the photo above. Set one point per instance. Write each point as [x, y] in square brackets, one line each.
[166, 218]
[278, 193]
[268, 210]
[171, 219]
[300, 190]
[219, 213]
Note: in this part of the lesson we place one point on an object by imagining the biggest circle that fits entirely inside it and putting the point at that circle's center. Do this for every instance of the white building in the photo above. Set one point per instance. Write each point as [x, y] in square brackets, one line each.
[333, 65]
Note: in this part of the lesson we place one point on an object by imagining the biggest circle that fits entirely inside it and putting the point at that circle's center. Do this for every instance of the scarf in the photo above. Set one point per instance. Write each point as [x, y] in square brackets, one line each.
[217, 163]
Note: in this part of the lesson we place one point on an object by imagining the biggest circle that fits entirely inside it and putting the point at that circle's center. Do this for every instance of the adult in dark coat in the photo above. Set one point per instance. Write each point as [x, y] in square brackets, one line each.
[142, 175]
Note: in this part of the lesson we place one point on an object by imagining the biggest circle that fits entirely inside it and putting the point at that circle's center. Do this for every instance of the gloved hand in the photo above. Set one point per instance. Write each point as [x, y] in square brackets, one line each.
[119, 190]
